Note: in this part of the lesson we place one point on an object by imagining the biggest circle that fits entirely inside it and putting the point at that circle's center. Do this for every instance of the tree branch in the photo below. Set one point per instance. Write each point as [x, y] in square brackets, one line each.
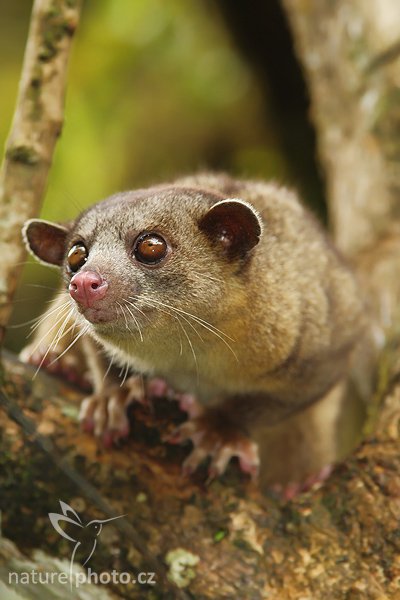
[37, 124]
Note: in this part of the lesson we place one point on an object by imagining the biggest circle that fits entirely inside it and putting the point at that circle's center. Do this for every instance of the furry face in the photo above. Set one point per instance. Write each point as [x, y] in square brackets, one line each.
[147, 263]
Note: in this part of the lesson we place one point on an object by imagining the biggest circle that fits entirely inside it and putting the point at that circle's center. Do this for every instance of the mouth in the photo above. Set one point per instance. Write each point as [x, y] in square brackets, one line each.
[99, 315]
[105, 319]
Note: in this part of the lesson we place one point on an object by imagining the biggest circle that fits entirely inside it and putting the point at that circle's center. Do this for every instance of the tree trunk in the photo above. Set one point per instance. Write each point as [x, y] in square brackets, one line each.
[350, 51]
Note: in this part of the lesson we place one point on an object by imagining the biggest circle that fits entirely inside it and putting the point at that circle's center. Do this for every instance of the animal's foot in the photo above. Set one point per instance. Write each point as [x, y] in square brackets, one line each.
[214, 436]
[291, 490]
[159, 388]
[105, 413]
[189, 405]
[68, 366]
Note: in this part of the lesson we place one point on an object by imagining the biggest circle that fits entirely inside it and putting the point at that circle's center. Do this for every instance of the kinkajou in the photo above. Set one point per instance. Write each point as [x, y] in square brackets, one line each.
[231, 292]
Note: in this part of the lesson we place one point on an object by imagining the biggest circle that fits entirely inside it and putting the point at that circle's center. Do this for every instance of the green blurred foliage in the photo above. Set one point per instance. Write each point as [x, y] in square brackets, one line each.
[155, 90]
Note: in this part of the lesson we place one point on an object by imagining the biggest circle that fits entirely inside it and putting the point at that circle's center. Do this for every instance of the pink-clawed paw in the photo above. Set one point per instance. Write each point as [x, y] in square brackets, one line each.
[105, 414]
[159, 388]
[219, 442]
[293, 489]
[189, 405]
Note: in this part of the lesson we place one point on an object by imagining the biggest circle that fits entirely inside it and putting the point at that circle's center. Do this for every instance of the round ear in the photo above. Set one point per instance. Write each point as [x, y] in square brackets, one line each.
[234, 225]
[45, 241]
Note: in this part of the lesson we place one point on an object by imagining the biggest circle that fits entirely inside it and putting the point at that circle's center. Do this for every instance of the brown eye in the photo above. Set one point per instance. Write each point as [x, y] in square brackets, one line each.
[150, 248]
[77, 257]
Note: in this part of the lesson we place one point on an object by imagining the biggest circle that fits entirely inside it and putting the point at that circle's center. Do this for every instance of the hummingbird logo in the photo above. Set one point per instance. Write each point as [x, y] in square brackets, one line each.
[83, 536]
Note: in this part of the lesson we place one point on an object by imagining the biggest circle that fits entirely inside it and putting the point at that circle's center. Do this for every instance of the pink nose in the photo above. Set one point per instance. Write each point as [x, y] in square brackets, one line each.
[87, 288]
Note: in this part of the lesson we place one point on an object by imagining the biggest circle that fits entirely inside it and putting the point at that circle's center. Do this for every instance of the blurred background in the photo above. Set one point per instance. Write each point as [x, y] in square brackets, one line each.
[158, 89]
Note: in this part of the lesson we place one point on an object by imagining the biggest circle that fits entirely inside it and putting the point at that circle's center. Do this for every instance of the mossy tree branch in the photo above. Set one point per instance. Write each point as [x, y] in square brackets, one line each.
[36, 126]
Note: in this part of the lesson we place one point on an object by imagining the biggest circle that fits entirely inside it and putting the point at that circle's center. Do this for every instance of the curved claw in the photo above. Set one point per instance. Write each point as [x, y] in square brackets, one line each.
[208, 442]
[193, 461]
[105, 413]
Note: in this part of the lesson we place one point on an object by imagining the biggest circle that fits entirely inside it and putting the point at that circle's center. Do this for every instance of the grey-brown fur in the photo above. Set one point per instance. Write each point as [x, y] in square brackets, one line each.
[277, 329]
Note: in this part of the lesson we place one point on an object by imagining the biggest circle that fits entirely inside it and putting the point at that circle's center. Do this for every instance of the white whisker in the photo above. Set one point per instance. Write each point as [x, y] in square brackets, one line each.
[126, 375]
[109, 367]
[80, 334]
[35, 320]
[54, 341]
[48, 314]
[191, 347]
[211, 328]
[178, 319]
[137, 308]
[64, 312]
[182, 317]
[135, 321]
[124, 315]
[198, 319]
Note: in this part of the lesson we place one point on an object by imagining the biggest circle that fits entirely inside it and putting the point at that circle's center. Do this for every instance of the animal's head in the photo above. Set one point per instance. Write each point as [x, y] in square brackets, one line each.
[140, 261]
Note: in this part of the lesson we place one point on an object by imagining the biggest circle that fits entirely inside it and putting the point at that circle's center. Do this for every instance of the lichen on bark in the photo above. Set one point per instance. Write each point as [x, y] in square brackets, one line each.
[36, 127]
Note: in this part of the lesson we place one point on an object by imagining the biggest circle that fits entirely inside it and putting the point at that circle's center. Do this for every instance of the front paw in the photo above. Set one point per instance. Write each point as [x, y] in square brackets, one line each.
[212, 435]
[105, 413]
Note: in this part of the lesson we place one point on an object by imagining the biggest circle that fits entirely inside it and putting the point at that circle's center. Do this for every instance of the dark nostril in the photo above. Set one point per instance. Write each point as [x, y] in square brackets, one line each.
[87, 288]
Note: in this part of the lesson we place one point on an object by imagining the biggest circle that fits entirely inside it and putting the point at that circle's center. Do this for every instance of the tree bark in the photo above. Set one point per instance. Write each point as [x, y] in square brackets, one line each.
[37, 124]
[350, 51]
[339, 541]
